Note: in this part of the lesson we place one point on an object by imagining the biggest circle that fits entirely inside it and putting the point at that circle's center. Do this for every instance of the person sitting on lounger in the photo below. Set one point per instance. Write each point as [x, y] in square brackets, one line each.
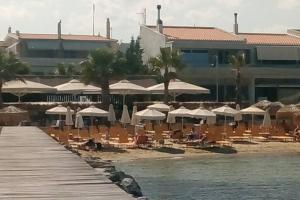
[202, 138]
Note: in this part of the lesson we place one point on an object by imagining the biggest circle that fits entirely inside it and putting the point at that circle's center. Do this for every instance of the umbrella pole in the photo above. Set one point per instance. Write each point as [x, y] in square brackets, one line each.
[181, 123]
[123, 99]
[252, 122]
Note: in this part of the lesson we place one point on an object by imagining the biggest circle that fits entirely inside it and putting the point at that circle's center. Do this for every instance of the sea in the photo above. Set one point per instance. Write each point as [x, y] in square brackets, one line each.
[230, 177]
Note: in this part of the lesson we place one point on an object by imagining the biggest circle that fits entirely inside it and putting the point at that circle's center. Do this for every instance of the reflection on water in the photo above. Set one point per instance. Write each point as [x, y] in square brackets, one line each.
[219, 177]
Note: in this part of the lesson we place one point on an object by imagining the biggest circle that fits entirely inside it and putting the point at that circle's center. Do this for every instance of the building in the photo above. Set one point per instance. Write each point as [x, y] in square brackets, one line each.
[45, 51]
[272, 60]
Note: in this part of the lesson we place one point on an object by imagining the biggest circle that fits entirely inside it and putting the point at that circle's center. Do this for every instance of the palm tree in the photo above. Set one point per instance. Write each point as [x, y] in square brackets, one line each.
[99, 67]
[11, 68]
[168, 61]
[237, 61]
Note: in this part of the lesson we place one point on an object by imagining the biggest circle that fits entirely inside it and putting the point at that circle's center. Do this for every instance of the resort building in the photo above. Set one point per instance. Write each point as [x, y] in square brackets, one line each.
[45, 51]
[272, 60]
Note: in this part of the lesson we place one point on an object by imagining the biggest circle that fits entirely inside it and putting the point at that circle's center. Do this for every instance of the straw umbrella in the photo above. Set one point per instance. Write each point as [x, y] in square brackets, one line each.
[181, 112]
[20, 88]
[12, 115]
[159, 107]
[125, 118]
[252, 110]
[177, 87]
[112, 114]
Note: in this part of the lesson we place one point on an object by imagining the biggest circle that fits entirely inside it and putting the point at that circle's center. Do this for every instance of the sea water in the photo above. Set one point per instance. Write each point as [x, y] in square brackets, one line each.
[236, 177]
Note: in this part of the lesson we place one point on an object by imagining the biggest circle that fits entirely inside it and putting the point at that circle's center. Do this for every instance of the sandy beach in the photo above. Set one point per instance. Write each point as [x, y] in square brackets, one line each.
[125, 155]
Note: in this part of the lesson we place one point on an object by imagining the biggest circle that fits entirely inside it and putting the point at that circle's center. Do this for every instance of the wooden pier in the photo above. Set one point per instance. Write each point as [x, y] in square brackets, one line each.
[34, 166]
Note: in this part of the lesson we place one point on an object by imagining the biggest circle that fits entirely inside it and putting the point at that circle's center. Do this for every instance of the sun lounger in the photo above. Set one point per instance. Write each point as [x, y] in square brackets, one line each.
[282, 138]
[240, 139]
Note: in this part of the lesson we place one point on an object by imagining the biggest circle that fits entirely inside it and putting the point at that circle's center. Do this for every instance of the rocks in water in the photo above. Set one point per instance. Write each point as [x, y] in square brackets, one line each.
[126, 182]
[131, 187]
[142, 198]
[98, 163]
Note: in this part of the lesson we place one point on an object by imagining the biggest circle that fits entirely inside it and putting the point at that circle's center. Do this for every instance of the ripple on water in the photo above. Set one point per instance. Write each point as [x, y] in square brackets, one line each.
[231, 177]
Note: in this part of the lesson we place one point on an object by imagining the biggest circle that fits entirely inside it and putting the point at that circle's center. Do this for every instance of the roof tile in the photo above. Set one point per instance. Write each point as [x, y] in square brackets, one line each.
[270, 39]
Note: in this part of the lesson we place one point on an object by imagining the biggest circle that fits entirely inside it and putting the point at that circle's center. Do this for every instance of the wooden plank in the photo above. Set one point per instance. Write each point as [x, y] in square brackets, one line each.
[34, 166]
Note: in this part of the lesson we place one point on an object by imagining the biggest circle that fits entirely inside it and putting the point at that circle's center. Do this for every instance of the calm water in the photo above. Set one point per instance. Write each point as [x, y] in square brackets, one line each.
[219, 177]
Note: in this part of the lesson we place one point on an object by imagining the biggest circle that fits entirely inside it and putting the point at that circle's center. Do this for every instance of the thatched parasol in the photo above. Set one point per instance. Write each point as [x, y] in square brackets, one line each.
[287, 112]
[12, 116]
[273, 107]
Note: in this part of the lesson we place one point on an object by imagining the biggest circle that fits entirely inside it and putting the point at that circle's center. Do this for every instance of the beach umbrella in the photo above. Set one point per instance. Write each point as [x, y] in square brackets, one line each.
[226, 111]
[79, 124]
[76, 87]
[238, 116]
[181, 112]
[125, 118]
[12, 115]
[287, 112]
[205, 114]
[252, 110]
[150, 114]
[273, 107]
[112, 114]
[20, 88]
[178, 87]
[159, 107]
[171, 118]
[134, 119]
[69, 120]
[58, 110]
[125, 87]
[267, 123]
[92, 111]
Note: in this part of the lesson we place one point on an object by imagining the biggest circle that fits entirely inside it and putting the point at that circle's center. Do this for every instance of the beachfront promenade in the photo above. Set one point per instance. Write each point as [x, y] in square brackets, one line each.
[34, 166]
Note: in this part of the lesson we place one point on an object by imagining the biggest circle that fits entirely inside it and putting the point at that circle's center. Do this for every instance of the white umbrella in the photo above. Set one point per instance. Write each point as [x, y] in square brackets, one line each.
[69, 120]
[177, 87]
[76, 87]
[267, 123]
[181, 112]
[125, 87]
[134, 119]
[92, 111]
[150, 114]
[112, 114]
[202, 113]
[171, 118]
[226, 111]
[20, 88]
[238, 117]
[79, 122]
[58, 110]
[160, 107]
[252, 110]
[125, 119]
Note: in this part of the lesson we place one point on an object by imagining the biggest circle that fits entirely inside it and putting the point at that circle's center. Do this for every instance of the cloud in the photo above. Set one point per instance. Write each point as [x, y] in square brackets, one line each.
[229, 3]
[288, 4]
[277, 28]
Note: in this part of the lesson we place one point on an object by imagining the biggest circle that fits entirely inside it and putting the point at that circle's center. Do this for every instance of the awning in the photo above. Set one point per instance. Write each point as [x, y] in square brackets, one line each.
[278, 53]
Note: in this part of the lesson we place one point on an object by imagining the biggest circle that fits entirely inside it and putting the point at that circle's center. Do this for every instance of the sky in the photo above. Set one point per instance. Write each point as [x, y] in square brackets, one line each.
[41, 16]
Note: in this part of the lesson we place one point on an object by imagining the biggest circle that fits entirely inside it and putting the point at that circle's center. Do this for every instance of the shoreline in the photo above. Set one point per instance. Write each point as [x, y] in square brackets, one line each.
[178, 152]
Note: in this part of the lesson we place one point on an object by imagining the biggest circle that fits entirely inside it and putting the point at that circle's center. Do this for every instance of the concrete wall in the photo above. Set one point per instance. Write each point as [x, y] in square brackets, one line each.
[151, 42]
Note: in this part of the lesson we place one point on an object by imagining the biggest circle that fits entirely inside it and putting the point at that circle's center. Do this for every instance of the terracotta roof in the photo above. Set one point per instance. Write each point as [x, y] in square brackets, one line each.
[55, 37]
[271, 39]
[197, 33]
[2, 44]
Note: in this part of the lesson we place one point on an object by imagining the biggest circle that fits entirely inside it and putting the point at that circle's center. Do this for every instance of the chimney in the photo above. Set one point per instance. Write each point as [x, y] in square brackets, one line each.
[107, 28]
[59, 29]
[18, 33]
[9, 29]
[159, 21]
[235, 26]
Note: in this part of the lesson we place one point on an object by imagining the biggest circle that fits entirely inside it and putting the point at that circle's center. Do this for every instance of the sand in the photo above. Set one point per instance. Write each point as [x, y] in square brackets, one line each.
[125, 155]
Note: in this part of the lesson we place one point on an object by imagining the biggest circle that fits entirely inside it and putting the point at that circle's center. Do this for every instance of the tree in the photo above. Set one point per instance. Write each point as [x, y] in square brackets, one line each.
[100, 66]
[133, 55]
[168, 61]
[11, 68]
[237, 61]
[66, 69]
